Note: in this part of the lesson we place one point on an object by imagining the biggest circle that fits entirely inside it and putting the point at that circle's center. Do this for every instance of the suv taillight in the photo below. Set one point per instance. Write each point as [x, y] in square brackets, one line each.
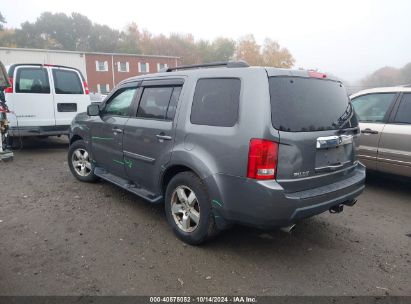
[10, 88]
[262, 159]
[86, 90]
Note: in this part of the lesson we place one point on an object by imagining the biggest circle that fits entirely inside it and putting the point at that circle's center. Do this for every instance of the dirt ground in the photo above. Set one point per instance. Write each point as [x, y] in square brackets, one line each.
[59, 236]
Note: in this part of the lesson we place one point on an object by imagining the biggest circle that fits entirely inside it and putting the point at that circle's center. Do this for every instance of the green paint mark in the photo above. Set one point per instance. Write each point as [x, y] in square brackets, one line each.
[215, 202]
[129, 163]
[117, 161]
[102, 138]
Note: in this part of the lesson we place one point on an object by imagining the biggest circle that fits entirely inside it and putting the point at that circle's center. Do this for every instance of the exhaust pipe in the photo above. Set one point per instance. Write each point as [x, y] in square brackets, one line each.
[337, 209]
[288, 229]
[350, 202]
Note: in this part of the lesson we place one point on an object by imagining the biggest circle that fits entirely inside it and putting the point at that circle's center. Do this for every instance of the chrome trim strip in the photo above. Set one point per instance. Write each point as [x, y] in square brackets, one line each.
[139, 157]
[333, 141]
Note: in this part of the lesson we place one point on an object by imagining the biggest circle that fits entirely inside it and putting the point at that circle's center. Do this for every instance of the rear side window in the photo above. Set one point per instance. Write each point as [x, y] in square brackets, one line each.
[159, 103]
[373, 107]
[216, 102]
[172, 106]
[300, 104]
[67, 82]
[32, 80]
[404, 111]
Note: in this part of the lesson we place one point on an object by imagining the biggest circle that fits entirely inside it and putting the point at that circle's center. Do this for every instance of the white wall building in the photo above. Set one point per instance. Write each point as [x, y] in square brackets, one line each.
[72, 59]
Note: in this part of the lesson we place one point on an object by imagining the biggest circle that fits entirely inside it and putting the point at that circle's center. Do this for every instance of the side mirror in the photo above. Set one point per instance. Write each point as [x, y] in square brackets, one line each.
[93, 110]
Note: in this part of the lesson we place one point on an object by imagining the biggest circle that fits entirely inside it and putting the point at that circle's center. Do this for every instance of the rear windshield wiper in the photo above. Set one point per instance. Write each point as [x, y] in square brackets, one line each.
[345, 117]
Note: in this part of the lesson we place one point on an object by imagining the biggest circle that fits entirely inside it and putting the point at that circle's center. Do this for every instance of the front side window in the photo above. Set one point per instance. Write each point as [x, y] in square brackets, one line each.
[67, 82]
[373, 107]
[32, 80]
[216, 102]
[404, 111]
[120, 103]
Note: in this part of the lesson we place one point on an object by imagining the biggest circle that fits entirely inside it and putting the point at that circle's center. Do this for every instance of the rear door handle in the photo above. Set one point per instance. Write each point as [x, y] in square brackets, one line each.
[369, 131]
[163, 136]
[117, 130]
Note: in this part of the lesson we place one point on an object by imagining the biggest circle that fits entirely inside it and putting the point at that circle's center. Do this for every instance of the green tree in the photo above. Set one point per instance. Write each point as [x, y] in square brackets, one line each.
[129, 40]
[77, 33]
[249, 50]
[386, 76]
[270, 54]
[274, 55]
[2, 21]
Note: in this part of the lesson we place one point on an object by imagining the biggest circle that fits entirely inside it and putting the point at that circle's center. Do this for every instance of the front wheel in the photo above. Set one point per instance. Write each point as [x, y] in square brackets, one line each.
[188, 209]
[80, 162]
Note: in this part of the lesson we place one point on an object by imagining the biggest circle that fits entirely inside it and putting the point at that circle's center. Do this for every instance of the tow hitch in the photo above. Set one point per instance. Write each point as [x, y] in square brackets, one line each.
[337, 209]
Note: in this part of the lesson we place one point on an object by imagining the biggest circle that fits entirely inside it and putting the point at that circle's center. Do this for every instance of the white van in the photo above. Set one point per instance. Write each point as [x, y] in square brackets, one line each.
[44, 99]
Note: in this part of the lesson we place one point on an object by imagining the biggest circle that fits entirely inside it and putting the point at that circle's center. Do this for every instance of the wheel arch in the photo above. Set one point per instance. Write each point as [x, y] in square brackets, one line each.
[75, 138]
[172, 171]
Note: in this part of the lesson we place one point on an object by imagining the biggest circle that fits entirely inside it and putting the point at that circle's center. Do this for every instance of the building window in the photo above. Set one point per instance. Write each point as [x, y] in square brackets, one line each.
[143, 67]
[101, 66]
[161, 66]
[103, 88]
[123, 66]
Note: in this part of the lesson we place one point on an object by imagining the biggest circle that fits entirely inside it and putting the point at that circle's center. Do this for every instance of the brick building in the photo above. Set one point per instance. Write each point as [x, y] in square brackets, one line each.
[102, 70]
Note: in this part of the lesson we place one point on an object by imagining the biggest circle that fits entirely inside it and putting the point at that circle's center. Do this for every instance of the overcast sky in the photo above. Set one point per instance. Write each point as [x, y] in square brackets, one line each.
[349, 38]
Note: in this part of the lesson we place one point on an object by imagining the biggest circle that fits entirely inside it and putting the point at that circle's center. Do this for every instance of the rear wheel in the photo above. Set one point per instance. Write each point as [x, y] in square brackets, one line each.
[188, 209]
[80, 162]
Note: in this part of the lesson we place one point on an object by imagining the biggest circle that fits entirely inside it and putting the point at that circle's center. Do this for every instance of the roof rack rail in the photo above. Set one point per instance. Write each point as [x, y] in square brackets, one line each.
[228, 64]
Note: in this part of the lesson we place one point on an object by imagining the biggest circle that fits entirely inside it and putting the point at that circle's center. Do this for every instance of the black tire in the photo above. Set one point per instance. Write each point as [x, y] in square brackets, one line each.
[206, 227]
[80, 145]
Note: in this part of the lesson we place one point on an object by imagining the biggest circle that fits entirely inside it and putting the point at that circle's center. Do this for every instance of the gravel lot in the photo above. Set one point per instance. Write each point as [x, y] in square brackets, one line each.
[62, 237]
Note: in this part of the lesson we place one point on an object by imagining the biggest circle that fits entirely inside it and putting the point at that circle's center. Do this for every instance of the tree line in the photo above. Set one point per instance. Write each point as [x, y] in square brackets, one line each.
[388, 76]
[76, 32]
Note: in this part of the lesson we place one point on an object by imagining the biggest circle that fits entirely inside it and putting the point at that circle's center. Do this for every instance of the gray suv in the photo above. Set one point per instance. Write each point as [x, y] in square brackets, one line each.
[224, 143]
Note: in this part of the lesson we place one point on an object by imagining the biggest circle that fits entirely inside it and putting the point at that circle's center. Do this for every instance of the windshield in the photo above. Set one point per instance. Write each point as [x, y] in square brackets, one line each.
[301, 104]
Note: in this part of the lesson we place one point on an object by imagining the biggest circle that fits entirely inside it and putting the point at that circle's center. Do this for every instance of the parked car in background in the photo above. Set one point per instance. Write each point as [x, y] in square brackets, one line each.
[224, 143]
[44, 98]
[385, 122]
[97, 97]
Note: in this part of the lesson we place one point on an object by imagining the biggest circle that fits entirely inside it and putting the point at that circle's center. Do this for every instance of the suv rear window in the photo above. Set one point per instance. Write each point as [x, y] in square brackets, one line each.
[67, 82]
[301, 104]
[216, 102]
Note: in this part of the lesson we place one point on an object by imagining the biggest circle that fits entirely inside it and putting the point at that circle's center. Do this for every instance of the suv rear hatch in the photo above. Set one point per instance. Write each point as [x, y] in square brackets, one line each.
[317, 129]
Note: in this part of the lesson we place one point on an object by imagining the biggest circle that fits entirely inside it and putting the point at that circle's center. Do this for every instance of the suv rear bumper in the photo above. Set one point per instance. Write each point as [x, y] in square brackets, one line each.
[266, 204]
[39, 131]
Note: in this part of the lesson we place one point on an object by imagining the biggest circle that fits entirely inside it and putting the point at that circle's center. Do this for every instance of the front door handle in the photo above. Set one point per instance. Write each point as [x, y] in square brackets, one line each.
[117, 130]
[369, 131]
[162, 136]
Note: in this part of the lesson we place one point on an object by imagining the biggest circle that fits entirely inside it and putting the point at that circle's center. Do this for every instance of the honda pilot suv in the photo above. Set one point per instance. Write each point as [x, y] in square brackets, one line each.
[224, 143]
